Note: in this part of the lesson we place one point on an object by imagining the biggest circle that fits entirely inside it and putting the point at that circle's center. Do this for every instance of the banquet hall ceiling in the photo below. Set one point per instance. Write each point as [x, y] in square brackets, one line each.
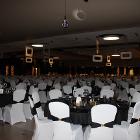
[29, 21]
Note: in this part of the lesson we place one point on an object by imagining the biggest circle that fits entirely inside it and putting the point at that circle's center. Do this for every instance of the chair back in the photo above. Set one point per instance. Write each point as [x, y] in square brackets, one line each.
[113, 86]
[42, 86]
[102, 114]
[136, 97]
[88, 88]
[67, 89]
[36, 100]
[19, 95]
[106, 87]
[132, 91]
[55, 94]
[106, 92]
[78, 92]
[57, 86]
[134, 127]
[137, 87]
[62, 130]
[59, 109]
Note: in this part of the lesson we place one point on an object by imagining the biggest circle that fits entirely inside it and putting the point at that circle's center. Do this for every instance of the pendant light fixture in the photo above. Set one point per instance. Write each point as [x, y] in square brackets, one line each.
[65, 23]
[97, 57]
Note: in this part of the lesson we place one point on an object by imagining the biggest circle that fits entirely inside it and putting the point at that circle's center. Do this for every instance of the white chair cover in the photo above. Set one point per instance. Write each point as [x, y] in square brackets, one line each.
[134, 129]
[57, 86]
[132, 91]
[106, 87]
[21, 86]
[43, 128]
[36, 99]
[101, 114]
[130, 131]
[1, 91]
[67, 89]
[137, 87]
[15, 112]
[42, 92]
[135, 99]
[106, 92]
[78, 92]
[87, 88]
[55, 94]
[64, 130]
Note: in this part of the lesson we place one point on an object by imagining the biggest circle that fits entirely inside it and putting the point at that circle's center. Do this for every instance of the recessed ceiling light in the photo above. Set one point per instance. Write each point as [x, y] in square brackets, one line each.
[111, 37]
[37, 45]
[115, 55]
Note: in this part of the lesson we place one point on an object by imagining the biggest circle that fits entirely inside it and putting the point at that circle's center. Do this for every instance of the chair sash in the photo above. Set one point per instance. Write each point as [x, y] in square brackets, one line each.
[96, 125]
[67, 119]
[132, 104]
[134, 120]
[33, 110]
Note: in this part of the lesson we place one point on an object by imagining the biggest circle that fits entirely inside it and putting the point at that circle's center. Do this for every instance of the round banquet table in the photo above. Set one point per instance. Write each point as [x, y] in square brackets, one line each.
[82, 114]
[6, 99]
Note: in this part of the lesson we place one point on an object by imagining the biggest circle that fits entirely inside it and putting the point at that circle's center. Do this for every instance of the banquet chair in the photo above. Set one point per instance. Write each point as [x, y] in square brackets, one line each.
[21, 86]
[132, 92]
[108, 93]
[57, 86]
[113, 86]
[14, 113]
[42, 92]
[106, 87]
[135, 99]
[101, 127]
[78, 92]
[37, 104]
[63, 129]
[26, 105]
[132, 130]
[137, 87]
[55, 94]
[67, 89]
[1, 91]
[88, 88]
[43, 129]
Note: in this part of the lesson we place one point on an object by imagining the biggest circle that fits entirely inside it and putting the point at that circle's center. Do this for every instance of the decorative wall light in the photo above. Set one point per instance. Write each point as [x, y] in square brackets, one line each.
[124, 71]
[6, 70]
[126, 55]
[118, 71]
[131, 72]
[97, 57]
[12, 70]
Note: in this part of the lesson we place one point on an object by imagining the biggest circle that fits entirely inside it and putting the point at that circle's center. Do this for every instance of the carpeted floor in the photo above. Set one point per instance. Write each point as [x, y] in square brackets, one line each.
[19, 131]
